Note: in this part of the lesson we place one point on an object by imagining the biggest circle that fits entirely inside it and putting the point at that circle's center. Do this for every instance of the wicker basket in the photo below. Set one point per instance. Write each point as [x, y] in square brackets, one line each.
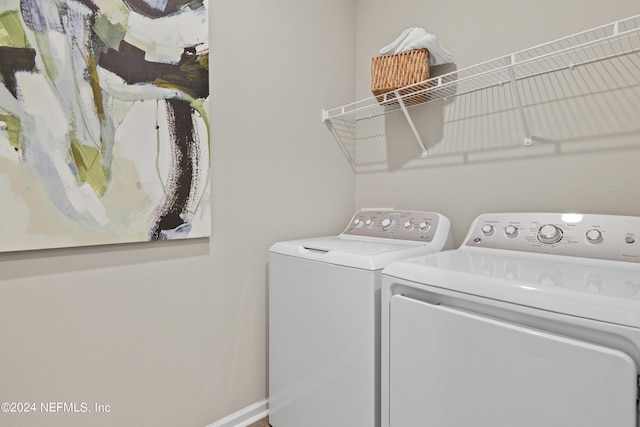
[391, 72]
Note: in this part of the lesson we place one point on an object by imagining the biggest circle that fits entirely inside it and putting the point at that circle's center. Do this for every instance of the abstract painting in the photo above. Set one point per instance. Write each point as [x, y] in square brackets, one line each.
[104, 122]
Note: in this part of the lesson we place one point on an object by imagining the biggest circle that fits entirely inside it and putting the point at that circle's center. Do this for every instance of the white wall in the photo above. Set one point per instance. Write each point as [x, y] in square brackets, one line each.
[174, 333]
[585, 150]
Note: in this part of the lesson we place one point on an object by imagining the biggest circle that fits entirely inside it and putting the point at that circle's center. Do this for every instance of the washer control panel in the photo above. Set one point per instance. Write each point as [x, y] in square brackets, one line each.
[608, 237]
[406, 225]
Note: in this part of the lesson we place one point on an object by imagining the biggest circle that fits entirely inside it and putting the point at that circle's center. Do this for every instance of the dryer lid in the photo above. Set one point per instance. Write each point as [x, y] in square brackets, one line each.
[604, 291]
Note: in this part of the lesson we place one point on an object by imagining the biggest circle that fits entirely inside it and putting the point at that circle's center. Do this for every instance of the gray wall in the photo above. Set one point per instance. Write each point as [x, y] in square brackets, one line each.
[174, 333]
[585, 148]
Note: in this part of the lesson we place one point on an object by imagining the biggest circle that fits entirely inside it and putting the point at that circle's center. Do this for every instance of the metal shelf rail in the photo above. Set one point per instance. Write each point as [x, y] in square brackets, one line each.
[601, 43]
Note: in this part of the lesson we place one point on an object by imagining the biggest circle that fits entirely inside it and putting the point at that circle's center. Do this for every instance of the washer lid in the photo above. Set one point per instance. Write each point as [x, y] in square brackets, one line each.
[360, 252]
[604, 291]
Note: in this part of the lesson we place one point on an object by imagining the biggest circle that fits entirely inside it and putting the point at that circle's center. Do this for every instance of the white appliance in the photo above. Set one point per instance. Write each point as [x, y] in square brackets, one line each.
[324, 316]
[534, 321]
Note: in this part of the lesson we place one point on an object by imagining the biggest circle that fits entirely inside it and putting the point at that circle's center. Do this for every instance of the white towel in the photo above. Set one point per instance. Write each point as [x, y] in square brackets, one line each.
[395, 46]
[418, 38]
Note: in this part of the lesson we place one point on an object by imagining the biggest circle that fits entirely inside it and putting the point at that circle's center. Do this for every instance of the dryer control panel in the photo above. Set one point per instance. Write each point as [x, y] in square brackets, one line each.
[610, 237]
[405, 225]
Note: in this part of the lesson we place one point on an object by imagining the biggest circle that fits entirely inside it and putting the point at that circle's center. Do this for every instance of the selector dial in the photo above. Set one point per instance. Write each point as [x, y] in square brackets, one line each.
[549, 234]
[358, 223]
[511, 231]
[388, 224]
[594, 236]
[424, 226]
[408, 225]
[487, 229]
[369, 223]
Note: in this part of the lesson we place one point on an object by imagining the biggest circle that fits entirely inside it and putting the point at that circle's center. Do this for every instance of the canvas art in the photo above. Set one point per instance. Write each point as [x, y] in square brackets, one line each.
[104, 122]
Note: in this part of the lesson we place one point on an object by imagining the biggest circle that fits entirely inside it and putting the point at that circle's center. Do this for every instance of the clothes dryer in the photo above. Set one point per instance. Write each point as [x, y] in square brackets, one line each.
[534, 321]
[324, 316]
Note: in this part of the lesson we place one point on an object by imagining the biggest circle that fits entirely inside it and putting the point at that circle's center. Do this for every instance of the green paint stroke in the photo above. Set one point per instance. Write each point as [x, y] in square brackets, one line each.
[46, 53]
[195, 4]
[11, 30]
[94, 82]
[198, 105]
[111, 34]
[12, 124]
[88, 161]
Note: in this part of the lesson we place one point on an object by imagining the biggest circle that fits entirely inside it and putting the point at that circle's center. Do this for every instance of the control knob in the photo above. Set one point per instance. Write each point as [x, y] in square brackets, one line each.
[549, 234]
[408, 225]
[594, 236]
[511, 231]
[369, 223]
[358, 223]
[424, 226]
[487, 229]
[388, 224]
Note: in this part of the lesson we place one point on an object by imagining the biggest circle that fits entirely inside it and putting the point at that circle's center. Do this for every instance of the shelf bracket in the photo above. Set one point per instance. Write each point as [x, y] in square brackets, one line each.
[511, 61]
[413, 127]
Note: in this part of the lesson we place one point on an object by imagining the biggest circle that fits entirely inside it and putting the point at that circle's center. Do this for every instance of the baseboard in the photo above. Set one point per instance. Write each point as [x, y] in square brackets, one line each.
[245, 416]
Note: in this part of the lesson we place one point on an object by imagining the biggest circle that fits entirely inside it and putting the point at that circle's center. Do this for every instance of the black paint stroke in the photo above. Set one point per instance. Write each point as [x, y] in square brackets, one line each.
[182, 181]
[173, 6]
[13, 59]
[190, 74]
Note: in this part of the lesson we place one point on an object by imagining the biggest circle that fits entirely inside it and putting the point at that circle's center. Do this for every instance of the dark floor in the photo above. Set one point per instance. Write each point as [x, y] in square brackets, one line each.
[261, 423]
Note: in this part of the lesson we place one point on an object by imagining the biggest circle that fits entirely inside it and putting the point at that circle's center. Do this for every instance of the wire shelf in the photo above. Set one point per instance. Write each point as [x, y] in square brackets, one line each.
[598, 44]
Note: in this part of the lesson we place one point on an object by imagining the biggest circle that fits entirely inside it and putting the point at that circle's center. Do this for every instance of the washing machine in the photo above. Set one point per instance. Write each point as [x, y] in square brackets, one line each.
[533, 321]
[324, 316]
